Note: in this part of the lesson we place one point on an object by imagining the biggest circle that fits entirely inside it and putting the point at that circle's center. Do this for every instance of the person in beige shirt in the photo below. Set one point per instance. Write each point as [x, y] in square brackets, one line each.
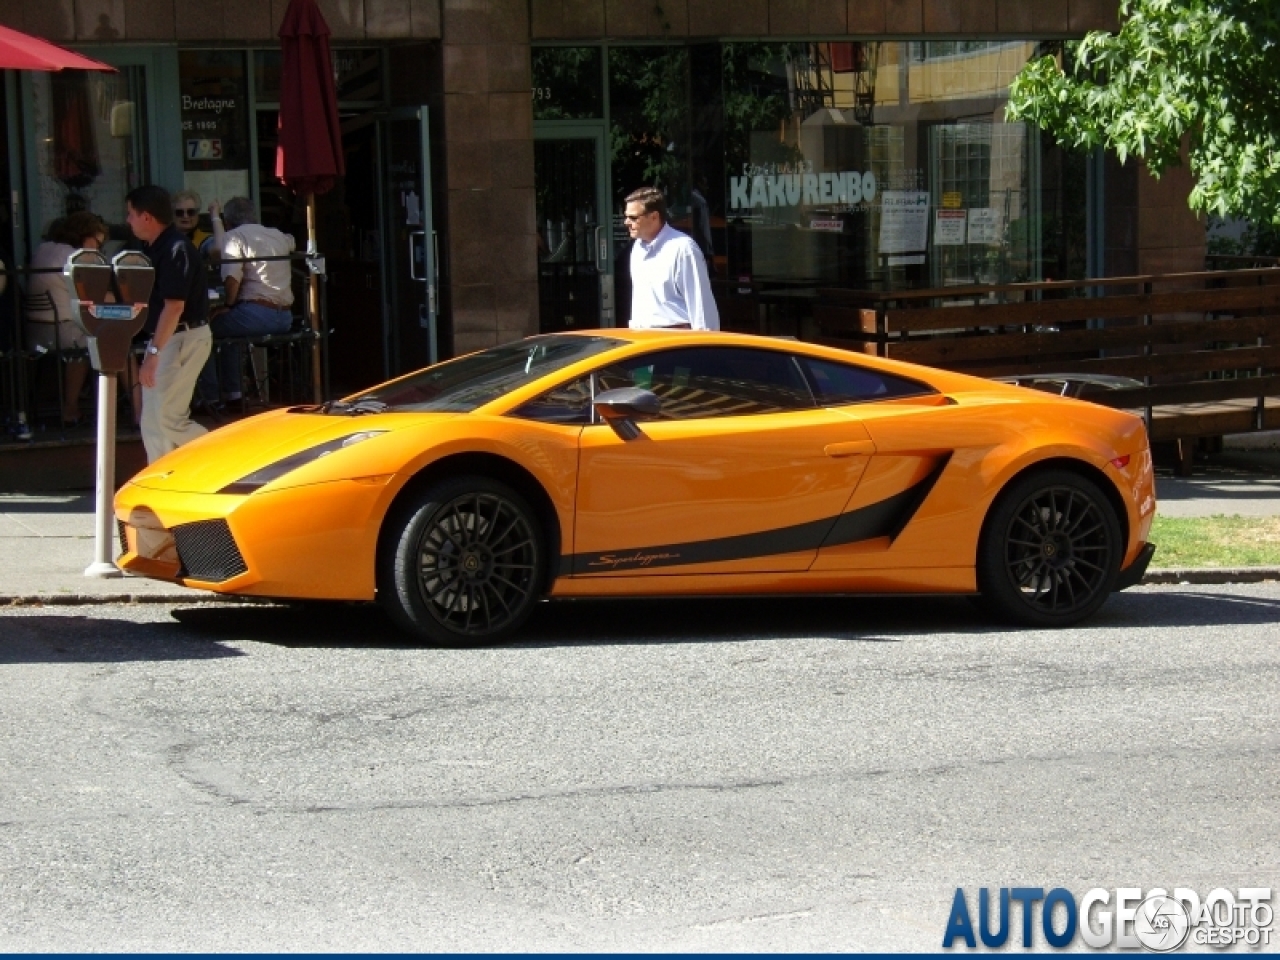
[259, 295]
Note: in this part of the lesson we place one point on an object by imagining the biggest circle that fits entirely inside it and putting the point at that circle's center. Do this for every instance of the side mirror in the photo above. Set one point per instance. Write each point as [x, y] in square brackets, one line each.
[618, 408]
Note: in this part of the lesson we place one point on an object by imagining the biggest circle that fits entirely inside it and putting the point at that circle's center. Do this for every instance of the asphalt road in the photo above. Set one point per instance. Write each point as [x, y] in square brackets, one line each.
[716, 775]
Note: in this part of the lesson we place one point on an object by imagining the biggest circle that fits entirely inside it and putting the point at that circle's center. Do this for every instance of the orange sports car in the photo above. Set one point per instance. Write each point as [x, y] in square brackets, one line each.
[614, 463]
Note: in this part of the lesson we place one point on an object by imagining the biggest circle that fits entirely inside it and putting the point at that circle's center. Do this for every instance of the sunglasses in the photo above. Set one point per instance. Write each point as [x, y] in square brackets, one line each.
[636, 216]
[185, 211]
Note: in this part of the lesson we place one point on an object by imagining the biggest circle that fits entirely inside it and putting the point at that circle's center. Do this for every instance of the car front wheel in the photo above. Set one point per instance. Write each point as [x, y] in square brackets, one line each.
[464, 563]
[1050, 551]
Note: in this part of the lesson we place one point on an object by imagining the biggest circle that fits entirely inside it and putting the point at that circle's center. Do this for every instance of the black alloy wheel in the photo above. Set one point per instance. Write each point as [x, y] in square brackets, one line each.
[1050, 551]
[467, 564]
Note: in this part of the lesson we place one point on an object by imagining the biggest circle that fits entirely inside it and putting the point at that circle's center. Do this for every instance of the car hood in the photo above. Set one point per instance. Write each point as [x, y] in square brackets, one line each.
[232, 452]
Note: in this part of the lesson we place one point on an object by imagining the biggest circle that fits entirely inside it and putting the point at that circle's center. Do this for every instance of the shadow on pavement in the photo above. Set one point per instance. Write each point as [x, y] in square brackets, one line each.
[203, 632]
[81, 638]
[590, 622]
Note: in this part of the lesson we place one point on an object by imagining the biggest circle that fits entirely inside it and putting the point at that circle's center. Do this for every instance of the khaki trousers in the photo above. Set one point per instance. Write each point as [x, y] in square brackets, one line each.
[166, 407]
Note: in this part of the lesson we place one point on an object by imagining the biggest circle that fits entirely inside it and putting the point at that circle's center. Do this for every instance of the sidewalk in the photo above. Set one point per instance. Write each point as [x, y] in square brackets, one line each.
[47, 539]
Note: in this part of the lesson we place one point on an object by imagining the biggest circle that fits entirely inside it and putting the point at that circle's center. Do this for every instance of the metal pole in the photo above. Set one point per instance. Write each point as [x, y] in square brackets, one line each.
[313, 300]
[103, 545]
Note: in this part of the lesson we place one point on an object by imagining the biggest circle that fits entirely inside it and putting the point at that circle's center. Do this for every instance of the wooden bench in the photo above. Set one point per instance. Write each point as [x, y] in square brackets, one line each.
[1202, 350]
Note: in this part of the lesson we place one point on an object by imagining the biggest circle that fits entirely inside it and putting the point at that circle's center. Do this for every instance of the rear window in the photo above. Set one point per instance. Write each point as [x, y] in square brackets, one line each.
[835, 384]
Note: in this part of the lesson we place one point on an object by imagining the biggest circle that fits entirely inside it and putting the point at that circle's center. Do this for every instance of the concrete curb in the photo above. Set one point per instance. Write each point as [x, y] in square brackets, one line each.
[1212, 575]
[1193, 575]
[104, 599]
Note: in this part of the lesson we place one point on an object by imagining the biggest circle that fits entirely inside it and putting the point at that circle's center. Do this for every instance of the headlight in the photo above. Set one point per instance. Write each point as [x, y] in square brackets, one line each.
[260, 478]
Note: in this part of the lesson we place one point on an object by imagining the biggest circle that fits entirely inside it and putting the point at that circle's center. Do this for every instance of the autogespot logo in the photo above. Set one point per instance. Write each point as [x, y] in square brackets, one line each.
[1156, 920]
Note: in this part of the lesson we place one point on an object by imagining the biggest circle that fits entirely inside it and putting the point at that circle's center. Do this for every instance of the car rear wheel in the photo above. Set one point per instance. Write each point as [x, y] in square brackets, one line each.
[1050, 550]
[464, 563]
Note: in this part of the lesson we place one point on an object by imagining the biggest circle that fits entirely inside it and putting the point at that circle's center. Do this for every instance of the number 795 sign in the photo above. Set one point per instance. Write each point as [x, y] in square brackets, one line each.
[204, 149]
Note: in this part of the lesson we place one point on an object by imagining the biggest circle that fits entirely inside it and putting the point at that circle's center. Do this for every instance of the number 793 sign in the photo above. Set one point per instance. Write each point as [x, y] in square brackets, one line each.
[204, 149]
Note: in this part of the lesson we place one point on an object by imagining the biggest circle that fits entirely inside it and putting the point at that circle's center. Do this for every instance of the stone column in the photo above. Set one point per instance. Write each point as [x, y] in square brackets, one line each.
[490, 269]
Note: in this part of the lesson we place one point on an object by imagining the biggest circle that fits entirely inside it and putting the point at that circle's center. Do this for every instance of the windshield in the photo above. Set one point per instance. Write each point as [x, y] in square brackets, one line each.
[459, 386]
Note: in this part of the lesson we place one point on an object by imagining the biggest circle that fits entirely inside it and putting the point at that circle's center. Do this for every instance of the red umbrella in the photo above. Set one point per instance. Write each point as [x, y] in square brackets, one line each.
[19, 51]
[309, 156]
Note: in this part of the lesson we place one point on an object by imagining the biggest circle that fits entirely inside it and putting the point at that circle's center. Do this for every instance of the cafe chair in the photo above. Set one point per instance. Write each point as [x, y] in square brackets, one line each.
[40, 309]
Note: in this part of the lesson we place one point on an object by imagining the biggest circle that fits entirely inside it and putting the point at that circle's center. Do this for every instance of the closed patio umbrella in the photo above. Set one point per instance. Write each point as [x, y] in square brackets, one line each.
[309, 156]
[20, 51]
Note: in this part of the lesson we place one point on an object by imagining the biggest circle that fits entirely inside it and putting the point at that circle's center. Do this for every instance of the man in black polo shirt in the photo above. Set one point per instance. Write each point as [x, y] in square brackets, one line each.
[177, 321]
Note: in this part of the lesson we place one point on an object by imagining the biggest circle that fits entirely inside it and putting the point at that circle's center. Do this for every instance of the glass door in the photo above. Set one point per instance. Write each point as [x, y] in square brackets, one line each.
[410, 328]
[575, 243]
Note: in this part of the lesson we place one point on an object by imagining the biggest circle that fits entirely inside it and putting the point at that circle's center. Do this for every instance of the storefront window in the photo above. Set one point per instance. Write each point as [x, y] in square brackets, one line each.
[890, 165]
[90, 135]
[213, 87]
[567, 83]
[357, 74]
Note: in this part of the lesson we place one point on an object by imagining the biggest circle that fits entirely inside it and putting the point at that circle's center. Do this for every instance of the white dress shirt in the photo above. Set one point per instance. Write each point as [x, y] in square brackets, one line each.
[669, 283]
[266, 279]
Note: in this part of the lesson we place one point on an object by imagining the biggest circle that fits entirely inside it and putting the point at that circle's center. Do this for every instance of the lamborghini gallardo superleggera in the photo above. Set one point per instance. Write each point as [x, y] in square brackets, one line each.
[616, 463]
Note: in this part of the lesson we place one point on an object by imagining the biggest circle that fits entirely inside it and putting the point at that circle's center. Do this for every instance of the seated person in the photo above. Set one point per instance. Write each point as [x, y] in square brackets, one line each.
[186, 216]
[258, 293]
[51, 323]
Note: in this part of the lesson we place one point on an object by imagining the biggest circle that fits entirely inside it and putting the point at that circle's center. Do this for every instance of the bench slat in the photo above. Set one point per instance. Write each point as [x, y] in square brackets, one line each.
[1049, 312]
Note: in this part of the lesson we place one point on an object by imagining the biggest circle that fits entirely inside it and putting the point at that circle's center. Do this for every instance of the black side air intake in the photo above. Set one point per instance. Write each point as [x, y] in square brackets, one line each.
[208, 551]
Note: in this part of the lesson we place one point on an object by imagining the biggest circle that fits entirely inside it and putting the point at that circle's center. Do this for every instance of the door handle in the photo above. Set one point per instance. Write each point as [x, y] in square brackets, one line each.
[850, 448]
[602, 250]
[417, 254]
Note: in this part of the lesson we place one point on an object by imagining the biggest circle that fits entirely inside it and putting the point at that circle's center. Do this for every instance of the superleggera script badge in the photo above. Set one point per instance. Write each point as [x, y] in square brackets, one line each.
[613, 561]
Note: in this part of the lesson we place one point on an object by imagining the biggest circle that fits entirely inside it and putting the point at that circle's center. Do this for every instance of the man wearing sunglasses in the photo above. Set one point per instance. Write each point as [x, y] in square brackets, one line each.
[670, 288]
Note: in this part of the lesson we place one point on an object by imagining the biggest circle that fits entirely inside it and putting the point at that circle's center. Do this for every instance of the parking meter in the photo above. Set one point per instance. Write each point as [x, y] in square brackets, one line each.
[111, 326]
[109, 301]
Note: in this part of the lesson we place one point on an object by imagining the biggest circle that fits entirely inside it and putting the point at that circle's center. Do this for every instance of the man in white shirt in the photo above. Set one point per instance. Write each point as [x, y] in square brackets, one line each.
[669, 284]
[259, 293]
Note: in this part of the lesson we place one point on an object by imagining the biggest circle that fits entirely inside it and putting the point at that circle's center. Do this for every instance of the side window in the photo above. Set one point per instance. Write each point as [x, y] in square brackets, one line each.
[700, 382]
[836, 384]
[569, 403]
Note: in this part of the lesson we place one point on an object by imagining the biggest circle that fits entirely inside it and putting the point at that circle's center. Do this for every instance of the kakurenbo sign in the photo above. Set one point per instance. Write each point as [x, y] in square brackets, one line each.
[802, 189]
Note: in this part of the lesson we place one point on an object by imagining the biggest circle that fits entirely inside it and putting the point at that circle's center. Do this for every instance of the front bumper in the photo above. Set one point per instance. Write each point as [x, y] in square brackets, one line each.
[317, 541]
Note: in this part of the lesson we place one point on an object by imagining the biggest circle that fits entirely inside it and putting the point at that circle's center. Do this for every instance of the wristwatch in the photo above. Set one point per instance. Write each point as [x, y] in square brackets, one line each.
[153, 350]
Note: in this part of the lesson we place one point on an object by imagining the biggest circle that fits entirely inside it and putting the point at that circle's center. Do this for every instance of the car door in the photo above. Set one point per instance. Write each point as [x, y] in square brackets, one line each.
[740, 472]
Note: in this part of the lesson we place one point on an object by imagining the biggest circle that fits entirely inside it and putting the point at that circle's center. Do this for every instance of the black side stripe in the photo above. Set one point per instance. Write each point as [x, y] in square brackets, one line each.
[887, 518]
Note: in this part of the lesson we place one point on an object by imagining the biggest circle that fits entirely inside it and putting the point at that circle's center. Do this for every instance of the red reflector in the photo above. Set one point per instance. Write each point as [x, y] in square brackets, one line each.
[1120, 462]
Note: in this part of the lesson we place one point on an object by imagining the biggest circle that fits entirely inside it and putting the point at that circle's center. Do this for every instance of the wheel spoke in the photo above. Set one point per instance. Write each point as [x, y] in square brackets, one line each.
[1066, 583]
[515, 522]
[512, 584]
[1086, 514]
[511, 549]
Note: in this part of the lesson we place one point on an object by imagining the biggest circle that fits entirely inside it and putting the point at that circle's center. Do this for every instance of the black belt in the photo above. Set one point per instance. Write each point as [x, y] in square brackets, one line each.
[187, 325]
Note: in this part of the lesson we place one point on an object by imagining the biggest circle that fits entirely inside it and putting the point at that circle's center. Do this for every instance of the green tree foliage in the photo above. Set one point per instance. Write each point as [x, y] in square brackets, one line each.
[1201, 72]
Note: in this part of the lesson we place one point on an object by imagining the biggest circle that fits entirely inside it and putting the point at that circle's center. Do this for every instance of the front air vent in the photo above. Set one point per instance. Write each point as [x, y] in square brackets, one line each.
[208, 551]
[123, 530]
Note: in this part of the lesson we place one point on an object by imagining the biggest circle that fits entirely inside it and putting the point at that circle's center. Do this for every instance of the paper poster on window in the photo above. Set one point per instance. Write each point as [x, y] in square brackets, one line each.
[984, 225]
[220, 185]
[948, 228]
[904, 221]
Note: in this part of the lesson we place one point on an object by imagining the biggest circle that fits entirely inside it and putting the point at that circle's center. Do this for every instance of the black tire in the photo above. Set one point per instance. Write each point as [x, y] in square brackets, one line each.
[1050, 551]
[463, 564]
